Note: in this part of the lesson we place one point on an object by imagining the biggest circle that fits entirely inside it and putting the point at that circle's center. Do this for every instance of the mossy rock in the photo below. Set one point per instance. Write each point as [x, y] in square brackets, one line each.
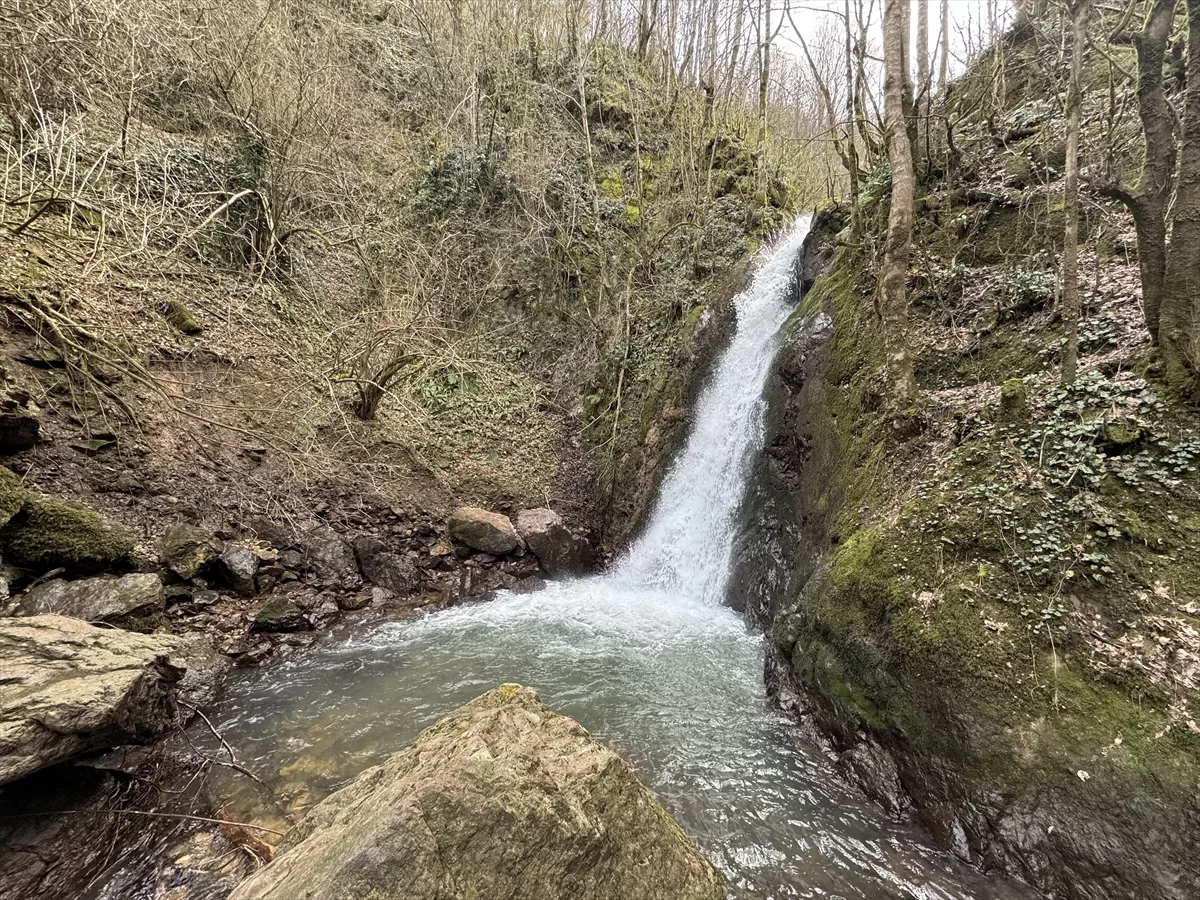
[188, 551]
[12, 495]
[49, 534]
[1120, 437]
[278, 615]
[180, 317]
[1014, 401]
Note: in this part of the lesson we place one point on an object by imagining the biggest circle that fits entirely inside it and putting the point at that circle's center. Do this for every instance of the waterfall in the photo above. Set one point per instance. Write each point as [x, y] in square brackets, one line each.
[645, 655]
[686, 546]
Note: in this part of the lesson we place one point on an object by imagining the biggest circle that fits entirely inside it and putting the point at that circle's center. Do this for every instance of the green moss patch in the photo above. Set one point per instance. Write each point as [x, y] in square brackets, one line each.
[50, 534]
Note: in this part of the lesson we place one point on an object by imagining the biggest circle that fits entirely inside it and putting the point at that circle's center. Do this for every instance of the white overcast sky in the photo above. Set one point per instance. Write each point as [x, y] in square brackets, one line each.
[968, 21]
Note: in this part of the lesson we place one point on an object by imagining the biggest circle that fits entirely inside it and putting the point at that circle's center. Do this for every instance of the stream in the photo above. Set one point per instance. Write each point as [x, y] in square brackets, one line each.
[645, 656]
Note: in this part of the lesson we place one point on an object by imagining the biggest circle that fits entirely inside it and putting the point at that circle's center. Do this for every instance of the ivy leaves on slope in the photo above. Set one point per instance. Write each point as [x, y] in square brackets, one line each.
[1053, 495]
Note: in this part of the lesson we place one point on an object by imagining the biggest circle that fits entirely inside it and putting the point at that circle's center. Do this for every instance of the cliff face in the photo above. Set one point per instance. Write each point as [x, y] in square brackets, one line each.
[987, 604]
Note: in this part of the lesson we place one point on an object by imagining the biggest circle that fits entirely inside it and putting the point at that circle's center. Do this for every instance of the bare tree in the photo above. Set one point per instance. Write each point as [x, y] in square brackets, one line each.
[1077, 11]
[1149, 198]
[898, 248]
[1181, 288]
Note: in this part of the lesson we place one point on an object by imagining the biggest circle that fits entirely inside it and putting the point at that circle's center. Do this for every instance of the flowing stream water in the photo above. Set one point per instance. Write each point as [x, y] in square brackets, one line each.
[645, 656]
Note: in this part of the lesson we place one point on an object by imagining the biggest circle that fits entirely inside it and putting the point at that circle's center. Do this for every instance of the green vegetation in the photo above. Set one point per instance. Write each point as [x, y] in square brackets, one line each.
[48, 534]
[1009, 573]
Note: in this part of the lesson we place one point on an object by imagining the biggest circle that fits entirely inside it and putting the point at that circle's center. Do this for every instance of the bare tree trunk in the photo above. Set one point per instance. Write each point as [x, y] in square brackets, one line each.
[709, 82]
[1149, 199]
[734, 54]
[944, 59]
[1181, 289]
[922, 102]
[900, 220]
[1070, 295]
[764, 80]
[851, 139]
[647, 17]
[861, 91]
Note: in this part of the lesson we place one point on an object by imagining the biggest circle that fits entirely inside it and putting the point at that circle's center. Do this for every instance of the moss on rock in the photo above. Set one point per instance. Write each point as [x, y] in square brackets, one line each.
[1014, 401]
[50, 534]
[981, 606]
[181, 318]
[12, 495]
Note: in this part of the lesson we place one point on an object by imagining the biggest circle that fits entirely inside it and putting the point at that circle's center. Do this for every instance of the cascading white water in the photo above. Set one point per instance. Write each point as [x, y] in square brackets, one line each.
[687, 543]
[645, 656]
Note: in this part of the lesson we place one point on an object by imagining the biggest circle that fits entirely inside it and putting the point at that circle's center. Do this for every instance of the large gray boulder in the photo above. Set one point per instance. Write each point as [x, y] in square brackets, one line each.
[131, 601]
[557, 549]
[503, 799]
[68, 688]
[482, 530]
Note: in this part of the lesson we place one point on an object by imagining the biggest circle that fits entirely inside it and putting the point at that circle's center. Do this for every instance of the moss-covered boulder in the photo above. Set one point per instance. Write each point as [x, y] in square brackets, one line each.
[1014, 402]
[50, 534]
[502, 799]
[181, 318]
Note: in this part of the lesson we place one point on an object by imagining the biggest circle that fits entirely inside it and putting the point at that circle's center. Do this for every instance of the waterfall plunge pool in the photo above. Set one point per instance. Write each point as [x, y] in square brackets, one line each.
[646, 657]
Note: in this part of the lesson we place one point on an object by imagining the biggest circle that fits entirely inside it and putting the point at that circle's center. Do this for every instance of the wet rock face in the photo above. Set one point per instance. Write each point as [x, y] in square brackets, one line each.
[131, 601]
[485, 531]
[70, 688]
[502, 799]
[384, 568]
[557, 549]
[819, 247]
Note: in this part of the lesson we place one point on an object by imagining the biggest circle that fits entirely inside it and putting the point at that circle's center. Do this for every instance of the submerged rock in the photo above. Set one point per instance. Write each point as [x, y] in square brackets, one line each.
[557, 549]
[503, 799]
[486, 531]
[131, 601]
[70, 688]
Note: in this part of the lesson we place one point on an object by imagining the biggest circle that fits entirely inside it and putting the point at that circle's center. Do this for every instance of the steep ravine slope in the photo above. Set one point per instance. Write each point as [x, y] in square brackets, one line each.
[988, 604]
[533, 310]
